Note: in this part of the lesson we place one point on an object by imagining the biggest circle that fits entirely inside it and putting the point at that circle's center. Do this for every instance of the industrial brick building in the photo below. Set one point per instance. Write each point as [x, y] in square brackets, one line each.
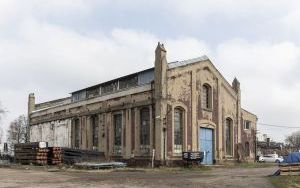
[173, 107]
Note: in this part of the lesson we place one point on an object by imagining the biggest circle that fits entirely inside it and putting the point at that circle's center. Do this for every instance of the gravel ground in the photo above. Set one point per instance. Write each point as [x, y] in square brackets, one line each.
[216, 177]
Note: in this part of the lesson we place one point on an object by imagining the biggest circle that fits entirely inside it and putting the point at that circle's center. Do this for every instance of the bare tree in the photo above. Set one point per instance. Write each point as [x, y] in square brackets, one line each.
[2, 112]
[17, 131]
[293, 140]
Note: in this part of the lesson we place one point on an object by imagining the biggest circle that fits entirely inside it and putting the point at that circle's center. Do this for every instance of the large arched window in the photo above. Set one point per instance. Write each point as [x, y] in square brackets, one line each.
[145, 126]
[228, 136]
[117, 122]
[178, 129]
[206, 96]
[95, 131]
[77, 133]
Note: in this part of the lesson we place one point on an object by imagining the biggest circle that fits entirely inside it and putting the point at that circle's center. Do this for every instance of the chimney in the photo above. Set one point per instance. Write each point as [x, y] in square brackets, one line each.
[31, 103]
[160, 70]
[236, 85]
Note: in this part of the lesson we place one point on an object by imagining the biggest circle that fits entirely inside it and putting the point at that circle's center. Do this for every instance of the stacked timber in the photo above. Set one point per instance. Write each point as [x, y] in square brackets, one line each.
[32, 153]
[62, 155]
[55, 155]
[290, 169]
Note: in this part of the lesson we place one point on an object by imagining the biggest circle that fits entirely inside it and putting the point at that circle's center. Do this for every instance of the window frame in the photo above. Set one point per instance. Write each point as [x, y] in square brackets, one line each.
[228, 152]
[178, 148]
[117, 147]
[206, 97]
[94, 122]
[245, 125]
[77, 134]
[147, 126]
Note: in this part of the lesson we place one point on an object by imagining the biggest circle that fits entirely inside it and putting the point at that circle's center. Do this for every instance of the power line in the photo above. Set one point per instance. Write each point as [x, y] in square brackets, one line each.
[282, 126]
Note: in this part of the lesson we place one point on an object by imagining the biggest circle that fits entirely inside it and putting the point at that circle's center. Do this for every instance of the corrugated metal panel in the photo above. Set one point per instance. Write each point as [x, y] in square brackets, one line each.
[145, 77]
[186, 62]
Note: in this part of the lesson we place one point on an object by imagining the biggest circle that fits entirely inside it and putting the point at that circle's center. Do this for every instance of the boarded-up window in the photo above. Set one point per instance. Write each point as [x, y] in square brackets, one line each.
[95, 131]
[178, 130]
[228, 136]
[145, 126]
[77, 133]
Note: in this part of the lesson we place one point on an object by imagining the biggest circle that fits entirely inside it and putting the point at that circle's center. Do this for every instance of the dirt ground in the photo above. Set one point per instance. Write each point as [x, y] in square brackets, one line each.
[216, 177]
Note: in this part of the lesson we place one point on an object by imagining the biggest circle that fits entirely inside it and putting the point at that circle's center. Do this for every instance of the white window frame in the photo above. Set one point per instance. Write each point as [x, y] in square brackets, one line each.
[245, 125]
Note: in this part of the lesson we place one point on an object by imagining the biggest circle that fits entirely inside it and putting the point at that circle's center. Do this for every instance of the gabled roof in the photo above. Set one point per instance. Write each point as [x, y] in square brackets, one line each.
[187, 62]
[171, 65]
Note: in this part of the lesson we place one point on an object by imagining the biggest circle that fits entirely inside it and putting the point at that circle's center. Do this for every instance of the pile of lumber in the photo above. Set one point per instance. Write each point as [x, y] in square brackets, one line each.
[32, 153]
[55, 155]
[39, 153]
[290, 169]
[62, 155]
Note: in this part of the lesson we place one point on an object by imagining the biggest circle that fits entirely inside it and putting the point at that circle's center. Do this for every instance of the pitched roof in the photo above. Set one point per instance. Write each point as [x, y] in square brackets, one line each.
[186, 62]
[171, 65]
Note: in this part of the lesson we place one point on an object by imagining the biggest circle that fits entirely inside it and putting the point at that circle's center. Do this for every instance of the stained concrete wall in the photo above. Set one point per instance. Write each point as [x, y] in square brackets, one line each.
[56, 133]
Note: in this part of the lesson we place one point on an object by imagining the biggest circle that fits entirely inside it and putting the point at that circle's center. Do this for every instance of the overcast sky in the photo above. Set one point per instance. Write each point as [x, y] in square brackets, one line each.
[53, 47]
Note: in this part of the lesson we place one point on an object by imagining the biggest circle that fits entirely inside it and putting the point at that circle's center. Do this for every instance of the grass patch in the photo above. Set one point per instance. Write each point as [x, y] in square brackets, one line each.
[249, 165]
[183, 169]
[285, 181]
[165, 169]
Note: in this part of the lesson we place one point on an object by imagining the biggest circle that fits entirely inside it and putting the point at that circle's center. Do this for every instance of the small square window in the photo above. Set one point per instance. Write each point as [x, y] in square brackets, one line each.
[247, 125]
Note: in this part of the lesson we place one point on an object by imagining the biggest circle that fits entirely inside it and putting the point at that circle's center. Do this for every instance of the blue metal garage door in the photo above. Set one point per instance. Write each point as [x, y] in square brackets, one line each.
[206, 144]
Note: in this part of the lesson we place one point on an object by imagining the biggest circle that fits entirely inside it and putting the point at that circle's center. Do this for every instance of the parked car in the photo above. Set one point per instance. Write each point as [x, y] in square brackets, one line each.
[271, 158]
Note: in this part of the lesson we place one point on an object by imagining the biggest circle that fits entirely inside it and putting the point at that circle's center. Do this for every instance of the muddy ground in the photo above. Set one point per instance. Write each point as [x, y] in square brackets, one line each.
[215, 177]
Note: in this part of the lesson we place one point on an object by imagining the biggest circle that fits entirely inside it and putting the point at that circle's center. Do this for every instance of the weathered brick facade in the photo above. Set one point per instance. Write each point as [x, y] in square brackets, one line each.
[161, 108]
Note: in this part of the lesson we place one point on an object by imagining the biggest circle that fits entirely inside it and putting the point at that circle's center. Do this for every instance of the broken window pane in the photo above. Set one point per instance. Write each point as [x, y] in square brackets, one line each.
[128, 82]
[92, 92]
[109, 87]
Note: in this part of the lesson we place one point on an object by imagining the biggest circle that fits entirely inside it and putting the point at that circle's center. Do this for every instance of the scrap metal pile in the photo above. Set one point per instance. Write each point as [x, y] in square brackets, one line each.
[40, 154]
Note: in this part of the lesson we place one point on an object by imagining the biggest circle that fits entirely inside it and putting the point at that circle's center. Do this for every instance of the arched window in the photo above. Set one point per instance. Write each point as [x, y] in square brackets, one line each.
[117, 122]
[247, 149]
[206, 96]
[145, 126]
[95, 131]
[228, 136]
[77, 133]
[178, 129]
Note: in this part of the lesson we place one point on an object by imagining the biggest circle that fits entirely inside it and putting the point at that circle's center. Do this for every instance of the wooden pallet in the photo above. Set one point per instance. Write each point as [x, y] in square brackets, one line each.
[290, 169]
